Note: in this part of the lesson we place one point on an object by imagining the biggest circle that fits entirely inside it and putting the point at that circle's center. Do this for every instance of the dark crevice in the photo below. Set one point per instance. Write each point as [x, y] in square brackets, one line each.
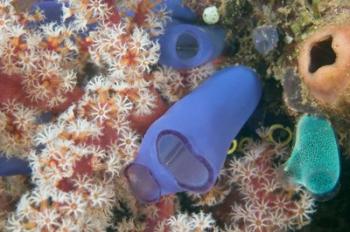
[322, 54]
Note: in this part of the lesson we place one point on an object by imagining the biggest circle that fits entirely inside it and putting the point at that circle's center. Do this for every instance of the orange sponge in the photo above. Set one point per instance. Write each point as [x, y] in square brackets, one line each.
[324, 63]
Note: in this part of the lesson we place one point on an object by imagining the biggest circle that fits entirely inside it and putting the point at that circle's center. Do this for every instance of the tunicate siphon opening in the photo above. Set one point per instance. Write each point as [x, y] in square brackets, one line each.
[186, 46]
[321, 54]
[176, 155]
[142, 183]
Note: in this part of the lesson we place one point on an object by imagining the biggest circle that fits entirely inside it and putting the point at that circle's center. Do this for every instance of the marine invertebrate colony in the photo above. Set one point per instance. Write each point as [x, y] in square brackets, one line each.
[78, 155]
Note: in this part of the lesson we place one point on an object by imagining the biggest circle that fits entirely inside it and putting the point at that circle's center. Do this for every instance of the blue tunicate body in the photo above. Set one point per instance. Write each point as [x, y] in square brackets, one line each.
[185, 46]
[185, 149]
[45, 117]
[265, 39]
[52, 10]
[53, 13]
[315, 159]
[13, 166]
[178, 10]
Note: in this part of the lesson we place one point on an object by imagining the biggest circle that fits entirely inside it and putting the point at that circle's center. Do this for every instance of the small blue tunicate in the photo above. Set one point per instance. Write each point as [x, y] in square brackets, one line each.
[45, 117]
[10, 166]
[265, 39]
[186, 46]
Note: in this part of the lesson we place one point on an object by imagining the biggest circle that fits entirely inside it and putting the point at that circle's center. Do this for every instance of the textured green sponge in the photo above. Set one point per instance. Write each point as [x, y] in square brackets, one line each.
[315, 161]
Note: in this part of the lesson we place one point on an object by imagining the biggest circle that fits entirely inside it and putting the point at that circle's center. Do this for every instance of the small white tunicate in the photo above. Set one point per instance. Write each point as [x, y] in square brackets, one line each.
[211, 15]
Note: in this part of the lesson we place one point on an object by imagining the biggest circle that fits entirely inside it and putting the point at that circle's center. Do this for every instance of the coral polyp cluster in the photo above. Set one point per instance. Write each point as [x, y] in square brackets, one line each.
[18, 124]
[77, 156]
[44, 57]
[266, 204]
[252, 193]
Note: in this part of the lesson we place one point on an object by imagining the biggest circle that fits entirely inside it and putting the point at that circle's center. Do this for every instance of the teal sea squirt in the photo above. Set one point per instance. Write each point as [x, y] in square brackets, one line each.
[315, 159]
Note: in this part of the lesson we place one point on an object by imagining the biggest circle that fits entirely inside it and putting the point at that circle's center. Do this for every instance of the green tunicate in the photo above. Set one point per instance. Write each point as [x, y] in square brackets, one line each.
[315, 161]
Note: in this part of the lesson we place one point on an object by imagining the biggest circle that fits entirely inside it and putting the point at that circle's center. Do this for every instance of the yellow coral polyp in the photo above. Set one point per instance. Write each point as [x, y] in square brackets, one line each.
[53, 43]
[130, 58]
[29, 225]
[233, 148]
[243, 143]
[38, 16]
[276, 127]
[51, 83]
[17, 43]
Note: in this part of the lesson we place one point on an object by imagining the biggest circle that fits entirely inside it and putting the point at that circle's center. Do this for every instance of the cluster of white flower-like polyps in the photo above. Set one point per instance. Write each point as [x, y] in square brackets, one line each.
[75, 163]
[267, 204]
[187, 223]
[177, 84]
[45, 56]
[78, 157]
[17, 128]
[126, 57]
[217, 194]
[40, 63]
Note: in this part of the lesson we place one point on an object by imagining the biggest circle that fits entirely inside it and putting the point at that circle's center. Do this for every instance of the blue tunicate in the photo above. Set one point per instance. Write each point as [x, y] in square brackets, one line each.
[43, 118]
[178, 10]
[185, 149]
[315, 159]
[52, 10]
[13, 166]
[265, 39]
[53, 13]
[185, 46]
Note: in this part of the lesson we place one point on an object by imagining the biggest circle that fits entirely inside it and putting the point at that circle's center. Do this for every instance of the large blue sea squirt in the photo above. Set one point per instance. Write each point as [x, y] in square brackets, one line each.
[315, 159]
[185, 149]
